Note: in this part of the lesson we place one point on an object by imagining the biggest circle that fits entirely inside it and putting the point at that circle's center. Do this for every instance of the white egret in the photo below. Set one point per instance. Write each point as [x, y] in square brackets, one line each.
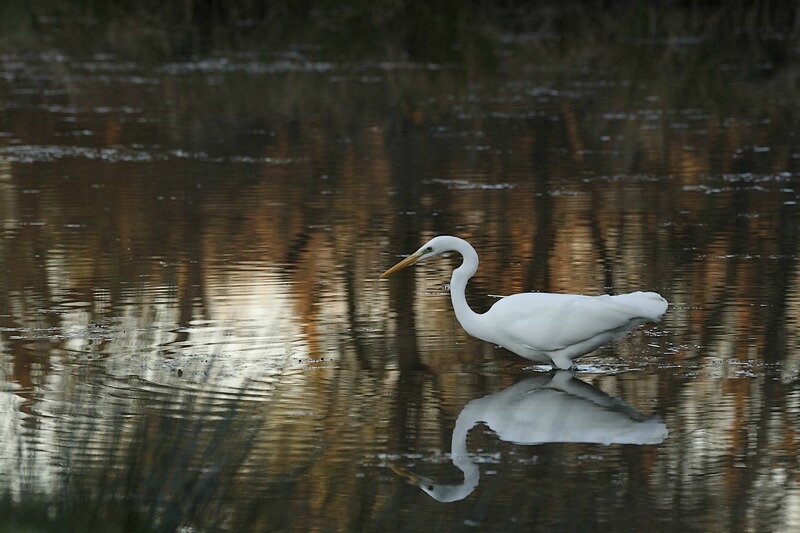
[539, 410]
[543, 327]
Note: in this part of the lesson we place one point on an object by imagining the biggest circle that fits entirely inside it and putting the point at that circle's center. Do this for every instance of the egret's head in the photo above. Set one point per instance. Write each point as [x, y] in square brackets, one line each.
[430, 249]
[442, 493]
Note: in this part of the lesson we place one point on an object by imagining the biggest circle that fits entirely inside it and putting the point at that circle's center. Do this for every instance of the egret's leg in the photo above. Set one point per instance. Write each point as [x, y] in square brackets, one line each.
[562, 361]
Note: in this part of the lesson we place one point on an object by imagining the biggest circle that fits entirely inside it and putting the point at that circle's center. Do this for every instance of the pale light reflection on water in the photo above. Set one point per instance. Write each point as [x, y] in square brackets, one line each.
[185, 231]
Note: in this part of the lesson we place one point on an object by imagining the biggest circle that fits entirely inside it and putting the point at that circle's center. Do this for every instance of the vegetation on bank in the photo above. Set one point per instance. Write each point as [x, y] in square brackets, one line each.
[449, 30]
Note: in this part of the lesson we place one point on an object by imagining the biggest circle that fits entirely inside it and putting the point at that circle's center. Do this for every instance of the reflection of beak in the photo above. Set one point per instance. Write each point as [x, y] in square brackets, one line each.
[408, 261]
[409, 476]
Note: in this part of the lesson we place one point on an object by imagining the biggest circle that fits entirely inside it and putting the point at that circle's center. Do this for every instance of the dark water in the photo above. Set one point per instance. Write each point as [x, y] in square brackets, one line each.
[172, 234]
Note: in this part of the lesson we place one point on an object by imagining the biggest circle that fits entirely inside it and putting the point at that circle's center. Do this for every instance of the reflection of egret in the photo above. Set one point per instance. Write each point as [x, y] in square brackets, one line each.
[543, 327]
[537, 410]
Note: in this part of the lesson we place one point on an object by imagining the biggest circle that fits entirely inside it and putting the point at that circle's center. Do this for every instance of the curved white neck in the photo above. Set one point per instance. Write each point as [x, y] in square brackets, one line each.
[468, 318]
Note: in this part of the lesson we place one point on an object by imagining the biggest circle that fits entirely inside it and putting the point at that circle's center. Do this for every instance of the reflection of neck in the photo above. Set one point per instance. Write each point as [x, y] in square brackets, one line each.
[460, 454]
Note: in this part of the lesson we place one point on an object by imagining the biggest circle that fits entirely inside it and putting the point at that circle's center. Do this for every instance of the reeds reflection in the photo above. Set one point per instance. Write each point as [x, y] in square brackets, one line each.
[553, 408]
[155, 220]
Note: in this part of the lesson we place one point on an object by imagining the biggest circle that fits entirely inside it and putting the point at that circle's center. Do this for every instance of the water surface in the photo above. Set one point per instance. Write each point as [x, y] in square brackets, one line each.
[180, 238]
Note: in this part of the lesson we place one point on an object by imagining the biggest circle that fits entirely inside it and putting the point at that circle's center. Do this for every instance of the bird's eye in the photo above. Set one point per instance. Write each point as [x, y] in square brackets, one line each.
[429, 249]
[430, 487]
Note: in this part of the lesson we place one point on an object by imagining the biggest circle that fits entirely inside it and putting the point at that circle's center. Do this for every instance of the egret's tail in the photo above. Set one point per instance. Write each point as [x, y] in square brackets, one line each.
[651, 305]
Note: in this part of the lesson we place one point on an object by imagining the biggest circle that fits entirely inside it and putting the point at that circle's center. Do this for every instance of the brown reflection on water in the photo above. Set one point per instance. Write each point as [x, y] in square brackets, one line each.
[240, 221]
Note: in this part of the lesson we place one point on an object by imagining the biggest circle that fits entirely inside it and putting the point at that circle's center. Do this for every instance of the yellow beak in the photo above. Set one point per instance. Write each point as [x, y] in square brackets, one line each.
[408, 261]
[411, 477]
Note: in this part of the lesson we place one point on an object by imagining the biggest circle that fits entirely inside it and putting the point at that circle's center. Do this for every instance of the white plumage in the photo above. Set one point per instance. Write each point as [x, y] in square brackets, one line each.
[543, 327]
[539, 410]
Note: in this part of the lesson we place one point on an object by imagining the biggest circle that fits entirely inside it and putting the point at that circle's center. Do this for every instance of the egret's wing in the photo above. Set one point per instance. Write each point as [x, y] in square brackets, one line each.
[548, 322]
